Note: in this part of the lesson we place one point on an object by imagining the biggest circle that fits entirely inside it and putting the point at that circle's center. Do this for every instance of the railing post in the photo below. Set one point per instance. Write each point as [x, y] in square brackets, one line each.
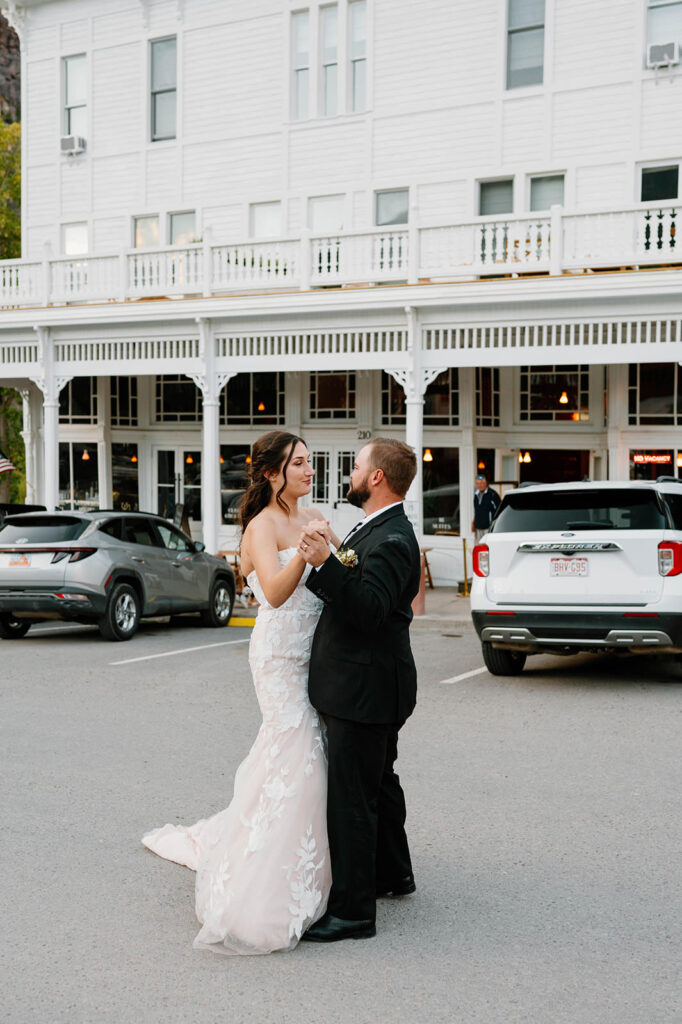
[413, 246]
[47, 273]
[556, 241]
[207, 268]
[122, 275]
[304, 261]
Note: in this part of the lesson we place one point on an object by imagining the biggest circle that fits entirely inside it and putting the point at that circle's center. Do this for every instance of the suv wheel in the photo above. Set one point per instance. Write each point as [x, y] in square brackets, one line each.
[13, 629]
[220, 603]
[501, 662]
[122, 617]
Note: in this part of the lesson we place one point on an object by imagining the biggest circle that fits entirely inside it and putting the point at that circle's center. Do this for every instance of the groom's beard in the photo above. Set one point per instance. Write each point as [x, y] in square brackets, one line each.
[359, 495]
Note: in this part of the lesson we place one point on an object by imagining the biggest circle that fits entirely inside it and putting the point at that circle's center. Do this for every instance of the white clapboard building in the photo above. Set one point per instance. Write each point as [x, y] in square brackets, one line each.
[454, 223]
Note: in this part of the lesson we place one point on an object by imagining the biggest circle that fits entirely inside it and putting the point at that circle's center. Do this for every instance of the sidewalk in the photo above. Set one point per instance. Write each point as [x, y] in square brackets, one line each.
[443, 608]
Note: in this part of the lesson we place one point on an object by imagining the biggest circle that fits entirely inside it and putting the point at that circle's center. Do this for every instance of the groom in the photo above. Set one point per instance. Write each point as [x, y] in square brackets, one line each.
[363, 681]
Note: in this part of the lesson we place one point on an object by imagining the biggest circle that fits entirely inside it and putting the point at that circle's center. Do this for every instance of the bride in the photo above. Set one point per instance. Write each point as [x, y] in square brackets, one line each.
[262, 864]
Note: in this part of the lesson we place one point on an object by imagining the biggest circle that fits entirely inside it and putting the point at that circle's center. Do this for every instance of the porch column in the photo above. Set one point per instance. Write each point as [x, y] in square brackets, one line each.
[617, 390]
[50, 385]
[467, 451]
[30, 439]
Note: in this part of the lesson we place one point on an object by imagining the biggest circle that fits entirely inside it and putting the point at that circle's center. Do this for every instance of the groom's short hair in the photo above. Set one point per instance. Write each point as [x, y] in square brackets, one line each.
[397, 460]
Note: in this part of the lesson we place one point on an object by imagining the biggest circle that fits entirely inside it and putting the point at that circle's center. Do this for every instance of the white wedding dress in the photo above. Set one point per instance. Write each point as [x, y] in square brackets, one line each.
[262, 864]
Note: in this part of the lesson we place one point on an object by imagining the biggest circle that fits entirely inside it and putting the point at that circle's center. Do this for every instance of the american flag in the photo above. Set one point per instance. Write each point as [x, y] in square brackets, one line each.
[5, 464]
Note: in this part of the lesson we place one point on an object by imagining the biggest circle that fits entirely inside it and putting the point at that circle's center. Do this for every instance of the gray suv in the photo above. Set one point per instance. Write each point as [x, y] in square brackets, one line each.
[110, 568]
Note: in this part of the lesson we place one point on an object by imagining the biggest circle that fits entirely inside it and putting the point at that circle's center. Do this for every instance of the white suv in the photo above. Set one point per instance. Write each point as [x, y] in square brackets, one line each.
[580, 567]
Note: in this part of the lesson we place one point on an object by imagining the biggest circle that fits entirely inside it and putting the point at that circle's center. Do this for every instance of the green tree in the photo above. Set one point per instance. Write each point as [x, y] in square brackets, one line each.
[12, 485]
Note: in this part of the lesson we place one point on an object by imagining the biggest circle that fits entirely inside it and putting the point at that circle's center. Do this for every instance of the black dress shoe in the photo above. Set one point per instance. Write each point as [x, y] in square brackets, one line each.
[331, 929]
[404, 887]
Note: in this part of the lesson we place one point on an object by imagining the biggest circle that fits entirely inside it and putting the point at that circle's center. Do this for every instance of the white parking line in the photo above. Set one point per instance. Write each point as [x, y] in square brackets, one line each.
[183, 650]
[465, 675]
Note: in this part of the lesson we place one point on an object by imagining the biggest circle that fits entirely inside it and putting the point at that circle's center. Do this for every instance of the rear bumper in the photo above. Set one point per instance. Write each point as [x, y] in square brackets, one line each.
[566, 632]
[39, 603]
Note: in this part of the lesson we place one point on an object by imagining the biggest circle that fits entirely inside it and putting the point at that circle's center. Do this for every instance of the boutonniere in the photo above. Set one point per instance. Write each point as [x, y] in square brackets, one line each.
[347, 557]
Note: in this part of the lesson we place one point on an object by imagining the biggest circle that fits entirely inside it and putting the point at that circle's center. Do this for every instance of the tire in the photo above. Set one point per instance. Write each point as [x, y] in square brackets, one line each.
[13, 629]
[502, 663]
[220, 603]
[122, 617]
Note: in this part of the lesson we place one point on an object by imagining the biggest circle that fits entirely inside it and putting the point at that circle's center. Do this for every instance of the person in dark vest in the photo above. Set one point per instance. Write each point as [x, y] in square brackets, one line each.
[363, 681]
[486, 504]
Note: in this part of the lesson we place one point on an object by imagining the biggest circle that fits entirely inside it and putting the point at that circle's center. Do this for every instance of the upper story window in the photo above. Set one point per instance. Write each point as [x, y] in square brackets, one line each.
[253, 398]
[265, 220]
[78, 401]
[664, 22]
[391, 207]
[75, 239]
[654, 394]
[660, 183]
[325, 214]
[332, 395]
[182, 228]
[146, 232]
[555, 393]
[323, 83]
[163, 88]
[496, 197]
[546, 191]
[357, 53]
[75, 95]
[525, 42]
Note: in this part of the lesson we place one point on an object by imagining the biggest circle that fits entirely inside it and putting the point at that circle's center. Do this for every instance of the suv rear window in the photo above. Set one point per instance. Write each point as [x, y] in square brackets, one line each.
[41, 529]
[674, 503]
[616, 509]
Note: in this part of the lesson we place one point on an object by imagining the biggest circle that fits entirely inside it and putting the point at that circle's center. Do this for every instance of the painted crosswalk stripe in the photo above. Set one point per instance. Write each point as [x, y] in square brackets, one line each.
[464, 675]
[182, 650]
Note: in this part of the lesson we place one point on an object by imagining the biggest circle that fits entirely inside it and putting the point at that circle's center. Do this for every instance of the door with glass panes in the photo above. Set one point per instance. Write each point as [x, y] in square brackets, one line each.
[178, 480]
[333, 466]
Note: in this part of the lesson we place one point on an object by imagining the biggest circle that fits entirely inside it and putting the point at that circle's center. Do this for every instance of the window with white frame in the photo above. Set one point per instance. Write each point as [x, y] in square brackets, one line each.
[496, 197]
[265, 220]
[525, 42]
[664, 22]
[357, 54]
[329, 66]
[75, 239]
[146, 233]
[487, 396]
[660, 183]
[554, 393]
[182, 228]
[300, 64]
[78, 401]
[441, 400]
[178, 400]
[392, 206]
[332, 395]
[123, 392]
[654, 394]
[325, 214]
[256, 398]
[78, 476]
[75, 95]
[546, 191]
[163, 88]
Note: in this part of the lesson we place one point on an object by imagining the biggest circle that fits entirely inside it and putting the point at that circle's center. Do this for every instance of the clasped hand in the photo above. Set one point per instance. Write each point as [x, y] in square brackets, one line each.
[313, 545]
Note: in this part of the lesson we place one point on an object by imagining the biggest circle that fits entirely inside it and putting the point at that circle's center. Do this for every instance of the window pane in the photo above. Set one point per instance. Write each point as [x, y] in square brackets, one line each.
[301, 80]
[656, 393]
[83, 399]
[235, 460]
[359, 85]
[330, 105]
[441, 491]
[659, 183]
[75, 239]
[76, 121]
[392, 207]
[75, 83]
[664, 24]
[358, 29]
[80, 491]
[496, 197]
[325, 214]
[265, 220]
[163, 64]
[526, 54]
[146, 232]
[182, 228]
[124, 477]
[328, 33]
[163, 115]
[332, 390]
[299, 27]
[546, 192]
[526, 12]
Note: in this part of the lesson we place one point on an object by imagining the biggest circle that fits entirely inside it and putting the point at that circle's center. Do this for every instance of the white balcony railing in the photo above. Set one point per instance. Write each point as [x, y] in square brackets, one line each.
[573, 240]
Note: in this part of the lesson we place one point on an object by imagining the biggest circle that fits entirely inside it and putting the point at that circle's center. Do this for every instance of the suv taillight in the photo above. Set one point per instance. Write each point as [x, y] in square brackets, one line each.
[481, 558]
[670, 558]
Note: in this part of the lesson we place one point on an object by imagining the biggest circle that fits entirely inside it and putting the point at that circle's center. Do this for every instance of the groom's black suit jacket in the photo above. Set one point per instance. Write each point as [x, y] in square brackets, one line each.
[361, 665]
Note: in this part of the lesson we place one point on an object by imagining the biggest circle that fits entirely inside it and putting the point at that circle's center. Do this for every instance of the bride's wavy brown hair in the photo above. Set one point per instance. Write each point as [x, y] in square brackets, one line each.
[270, 453]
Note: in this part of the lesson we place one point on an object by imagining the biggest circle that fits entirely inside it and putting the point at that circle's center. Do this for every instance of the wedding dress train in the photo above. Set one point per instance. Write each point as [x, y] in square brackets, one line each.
[262, 864]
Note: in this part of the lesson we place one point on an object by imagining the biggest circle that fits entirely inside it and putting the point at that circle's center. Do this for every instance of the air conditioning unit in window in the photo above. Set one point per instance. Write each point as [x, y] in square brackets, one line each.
[662, 55]
[72, 144]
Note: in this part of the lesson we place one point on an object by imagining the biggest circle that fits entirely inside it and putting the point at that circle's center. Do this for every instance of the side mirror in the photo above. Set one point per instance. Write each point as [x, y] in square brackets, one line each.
[199, 546]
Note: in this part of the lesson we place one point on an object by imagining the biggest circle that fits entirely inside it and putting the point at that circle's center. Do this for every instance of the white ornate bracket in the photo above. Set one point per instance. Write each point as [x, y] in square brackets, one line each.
[218, 381]
[15, 15]
[44, 383]
[415, 388]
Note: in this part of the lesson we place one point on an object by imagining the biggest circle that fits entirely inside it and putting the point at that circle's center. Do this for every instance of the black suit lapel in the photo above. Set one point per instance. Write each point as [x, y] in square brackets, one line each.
[363, 532]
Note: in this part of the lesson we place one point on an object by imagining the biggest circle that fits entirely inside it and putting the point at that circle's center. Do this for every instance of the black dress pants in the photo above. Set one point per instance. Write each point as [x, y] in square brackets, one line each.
[365, 816]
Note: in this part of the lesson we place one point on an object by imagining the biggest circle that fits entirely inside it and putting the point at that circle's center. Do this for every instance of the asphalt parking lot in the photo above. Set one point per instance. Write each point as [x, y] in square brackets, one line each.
[544, 817]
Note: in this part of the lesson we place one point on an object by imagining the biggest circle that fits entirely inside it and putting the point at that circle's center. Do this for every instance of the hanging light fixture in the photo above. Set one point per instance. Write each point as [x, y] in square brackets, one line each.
[428, 457]
[481, 465]
[527, 458]
[86, 455]
[221, 460]
[679, 459]
[520, 457]
[563, 400]
[248, 460]
[133, 458]
[189, 460]
[261, 407]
